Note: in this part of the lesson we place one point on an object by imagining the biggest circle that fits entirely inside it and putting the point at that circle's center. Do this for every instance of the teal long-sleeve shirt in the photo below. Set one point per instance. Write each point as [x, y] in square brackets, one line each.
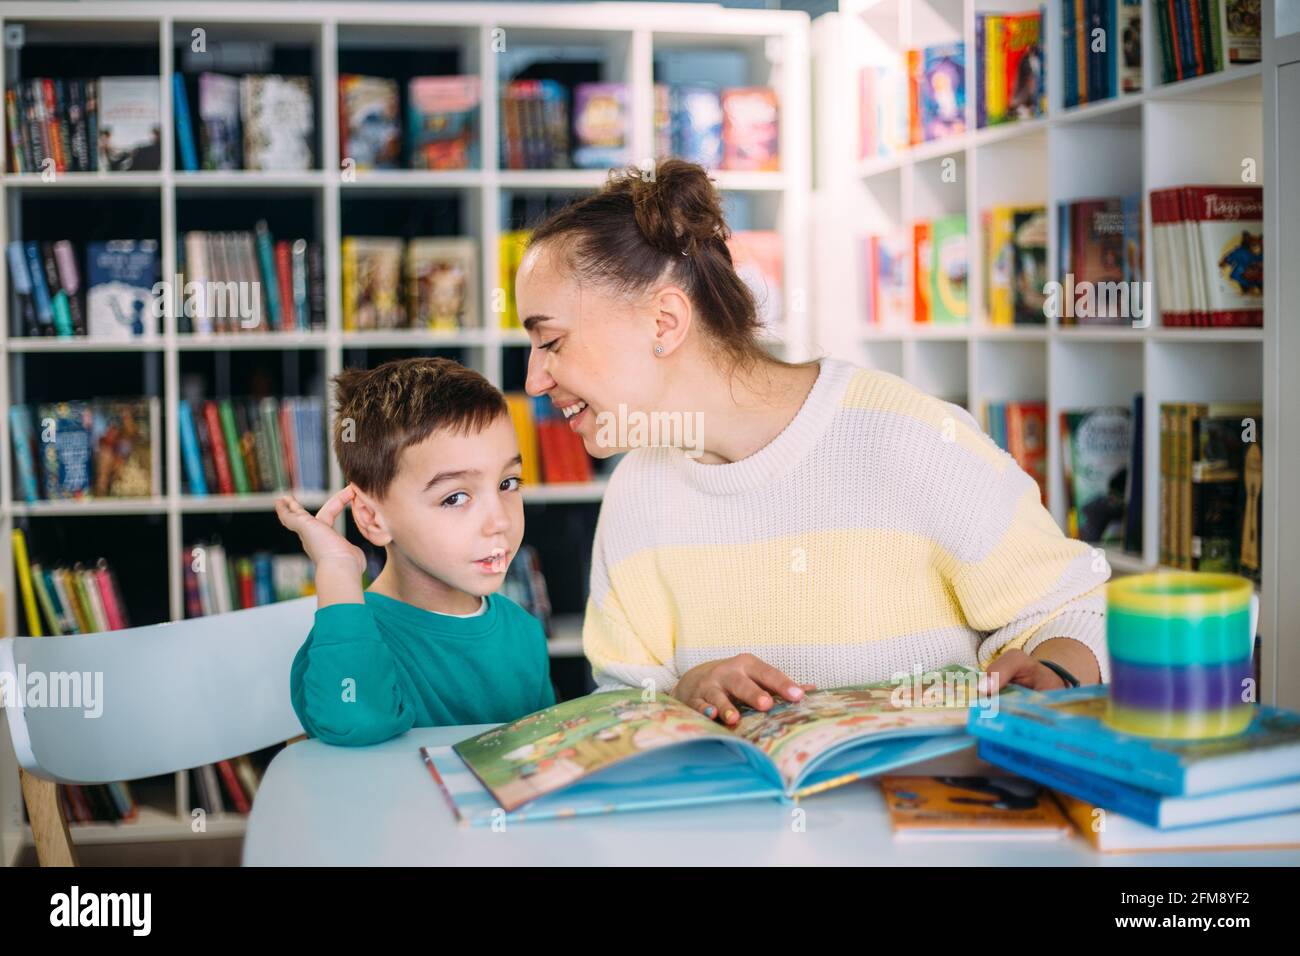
[414, 668]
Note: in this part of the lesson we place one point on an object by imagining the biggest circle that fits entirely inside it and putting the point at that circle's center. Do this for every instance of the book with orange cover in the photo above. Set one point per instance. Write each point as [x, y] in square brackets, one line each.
[972, 808]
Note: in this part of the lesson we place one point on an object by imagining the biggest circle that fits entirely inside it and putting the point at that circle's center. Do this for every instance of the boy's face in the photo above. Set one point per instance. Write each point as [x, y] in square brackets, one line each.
[455, 510]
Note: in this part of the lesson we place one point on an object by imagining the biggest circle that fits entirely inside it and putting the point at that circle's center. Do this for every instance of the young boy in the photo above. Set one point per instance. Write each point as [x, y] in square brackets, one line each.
[432, 465]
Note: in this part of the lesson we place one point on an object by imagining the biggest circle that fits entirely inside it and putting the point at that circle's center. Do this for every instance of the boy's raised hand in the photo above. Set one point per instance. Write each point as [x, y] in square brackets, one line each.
[319, 539]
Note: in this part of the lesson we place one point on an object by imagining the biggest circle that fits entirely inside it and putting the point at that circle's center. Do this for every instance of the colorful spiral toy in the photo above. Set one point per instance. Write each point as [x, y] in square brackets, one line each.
[1180, 654]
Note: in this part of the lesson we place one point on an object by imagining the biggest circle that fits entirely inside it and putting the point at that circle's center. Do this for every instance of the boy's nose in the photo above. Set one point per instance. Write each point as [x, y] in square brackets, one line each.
[538, 380]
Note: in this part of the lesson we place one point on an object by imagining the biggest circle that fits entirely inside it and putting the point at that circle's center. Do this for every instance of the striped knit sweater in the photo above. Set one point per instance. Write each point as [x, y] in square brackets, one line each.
[879, 531]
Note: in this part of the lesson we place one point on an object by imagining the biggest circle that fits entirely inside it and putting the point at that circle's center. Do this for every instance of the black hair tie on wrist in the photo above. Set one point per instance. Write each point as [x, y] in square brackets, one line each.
[1061, 672]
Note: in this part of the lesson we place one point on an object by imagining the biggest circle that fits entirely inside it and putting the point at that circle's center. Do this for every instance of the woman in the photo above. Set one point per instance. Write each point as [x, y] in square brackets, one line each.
[832, 525]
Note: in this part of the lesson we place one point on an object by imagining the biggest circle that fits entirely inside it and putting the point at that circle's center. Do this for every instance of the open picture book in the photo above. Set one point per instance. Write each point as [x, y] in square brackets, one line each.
[627, 750]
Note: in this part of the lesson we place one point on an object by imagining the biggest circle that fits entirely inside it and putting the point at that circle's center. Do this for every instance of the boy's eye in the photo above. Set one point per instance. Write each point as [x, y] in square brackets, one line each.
[512, 483]
[454, 500]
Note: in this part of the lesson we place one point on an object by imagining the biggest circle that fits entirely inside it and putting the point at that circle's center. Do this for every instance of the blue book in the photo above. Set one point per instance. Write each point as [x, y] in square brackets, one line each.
[66, 449]
[1067, 727]
[23, 321]
[184, 129]
[20, 426]
[40, 291]
[263, 591]
[627, 750]
[1158, 810]
[190, 449]
[270, 282]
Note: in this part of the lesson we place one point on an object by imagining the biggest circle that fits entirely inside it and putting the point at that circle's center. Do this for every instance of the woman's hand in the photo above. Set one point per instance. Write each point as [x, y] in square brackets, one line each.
[1017, 667]
[718, 689]
[322, 543]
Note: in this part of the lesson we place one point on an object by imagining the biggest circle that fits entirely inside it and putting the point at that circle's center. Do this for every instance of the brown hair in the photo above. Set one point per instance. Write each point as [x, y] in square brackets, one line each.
[380, 412]
[641, 228]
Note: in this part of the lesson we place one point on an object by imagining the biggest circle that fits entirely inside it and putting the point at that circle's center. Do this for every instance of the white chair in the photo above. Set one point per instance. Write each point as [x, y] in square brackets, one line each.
[175, 696]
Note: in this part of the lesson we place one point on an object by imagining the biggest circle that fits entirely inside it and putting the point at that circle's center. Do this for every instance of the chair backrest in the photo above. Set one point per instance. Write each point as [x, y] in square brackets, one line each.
[168, 696]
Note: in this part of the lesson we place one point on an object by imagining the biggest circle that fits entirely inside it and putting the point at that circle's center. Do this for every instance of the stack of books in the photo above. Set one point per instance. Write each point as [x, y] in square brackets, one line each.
[1100, 246]
[918, 276]
[1101, 71]
[423, 283]
[1209, 250]
[216, 582]
[104, 448]
[254, 122]
[441, 122]
[102, 291]
[1203, 36]
[1136, 793]
[1210, 486]
[1020, 429]
[1015, 264]
[552, 452]
[250, 282]
[917, 98]
[245, 446]
[58, 125]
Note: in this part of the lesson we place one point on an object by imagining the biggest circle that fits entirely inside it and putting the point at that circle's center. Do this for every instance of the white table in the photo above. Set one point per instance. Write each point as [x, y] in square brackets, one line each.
[378, 806]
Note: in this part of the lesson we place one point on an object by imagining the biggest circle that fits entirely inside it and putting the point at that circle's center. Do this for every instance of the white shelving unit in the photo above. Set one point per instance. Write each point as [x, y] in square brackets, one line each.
[629, 38]
[1195, 131]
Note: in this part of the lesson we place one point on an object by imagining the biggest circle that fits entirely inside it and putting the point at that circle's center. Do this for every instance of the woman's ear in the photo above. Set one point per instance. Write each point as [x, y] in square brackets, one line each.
[370, 522]
[672, 318]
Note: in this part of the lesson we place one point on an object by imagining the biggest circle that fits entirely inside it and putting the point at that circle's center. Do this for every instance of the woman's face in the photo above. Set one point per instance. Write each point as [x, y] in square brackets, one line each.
[592, 352]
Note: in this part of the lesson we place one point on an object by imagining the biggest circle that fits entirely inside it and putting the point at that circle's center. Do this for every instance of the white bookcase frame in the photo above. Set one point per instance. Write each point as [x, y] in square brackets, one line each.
[776, 45]
[1195, 131]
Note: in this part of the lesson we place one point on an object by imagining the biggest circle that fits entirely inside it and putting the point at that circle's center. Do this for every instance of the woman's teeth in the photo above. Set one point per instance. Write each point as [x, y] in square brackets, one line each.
[571, 410]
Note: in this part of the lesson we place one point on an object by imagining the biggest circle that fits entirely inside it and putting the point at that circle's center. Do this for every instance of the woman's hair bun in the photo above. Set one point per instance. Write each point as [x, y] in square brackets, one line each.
[677, 207]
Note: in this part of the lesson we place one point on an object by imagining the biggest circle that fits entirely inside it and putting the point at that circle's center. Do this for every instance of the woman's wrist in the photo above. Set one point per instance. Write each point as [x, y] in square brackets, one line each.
[1073, 656]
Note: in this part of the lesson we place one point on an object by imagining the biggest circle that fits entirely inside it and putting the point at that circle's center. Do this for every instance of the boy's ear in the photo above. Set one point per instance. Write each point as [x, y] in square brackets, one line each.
[370, 522]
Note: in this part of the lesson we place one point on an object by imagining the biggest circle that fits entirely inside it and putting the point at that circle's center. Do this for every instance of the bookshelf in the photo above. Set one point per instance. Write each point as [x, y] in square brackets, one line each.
[632, 42]
[1198, 130]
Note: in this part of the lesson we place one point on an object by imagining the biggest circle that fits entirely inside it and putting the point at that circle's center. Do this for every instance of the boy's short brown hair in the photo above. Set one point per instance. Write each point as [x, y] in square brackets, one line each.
[380, 412]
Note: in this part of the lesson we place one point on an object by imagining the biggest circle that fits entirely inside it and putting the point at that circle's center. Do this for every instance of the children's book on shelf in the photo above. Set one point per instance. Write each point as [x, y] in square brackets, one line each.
[758, 255]
[948, 270]
[370, 132]
[1067, 727]
[184, 125]
[1020, 429]
[1011, 80]
[1206, 506]
[942, 90]
[921, 265]
[1095, 444]
[249, 281]
[972, 808]
[1015, 240]
[696, 124]
[627, 750]
[442, 283]
[887, 280]
[246, 446]
[442, 116]
[883, 104]
[600, 125]
[120, 279]
[372, 270]
[1209, 248]
[127, 463]
[220, 136]
[1101, 262]
[1205, 36]
[128, 130]
[278, 119]
[750, 128]
[66, 441]
[510, 253]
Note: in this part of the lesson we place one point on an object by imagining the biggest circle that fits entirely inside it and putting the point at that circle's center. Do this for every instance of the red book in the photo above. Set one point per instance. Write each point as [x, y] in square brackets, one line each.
[1227, 234]
[579, 461]
[107, 593]
[284, 275]
[1194, 15]
[244, 575]
[552, 452]
[219, 458]
[53, 138]
[1179, 67]
[288, 438]
[921, 271]
[232, 786]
